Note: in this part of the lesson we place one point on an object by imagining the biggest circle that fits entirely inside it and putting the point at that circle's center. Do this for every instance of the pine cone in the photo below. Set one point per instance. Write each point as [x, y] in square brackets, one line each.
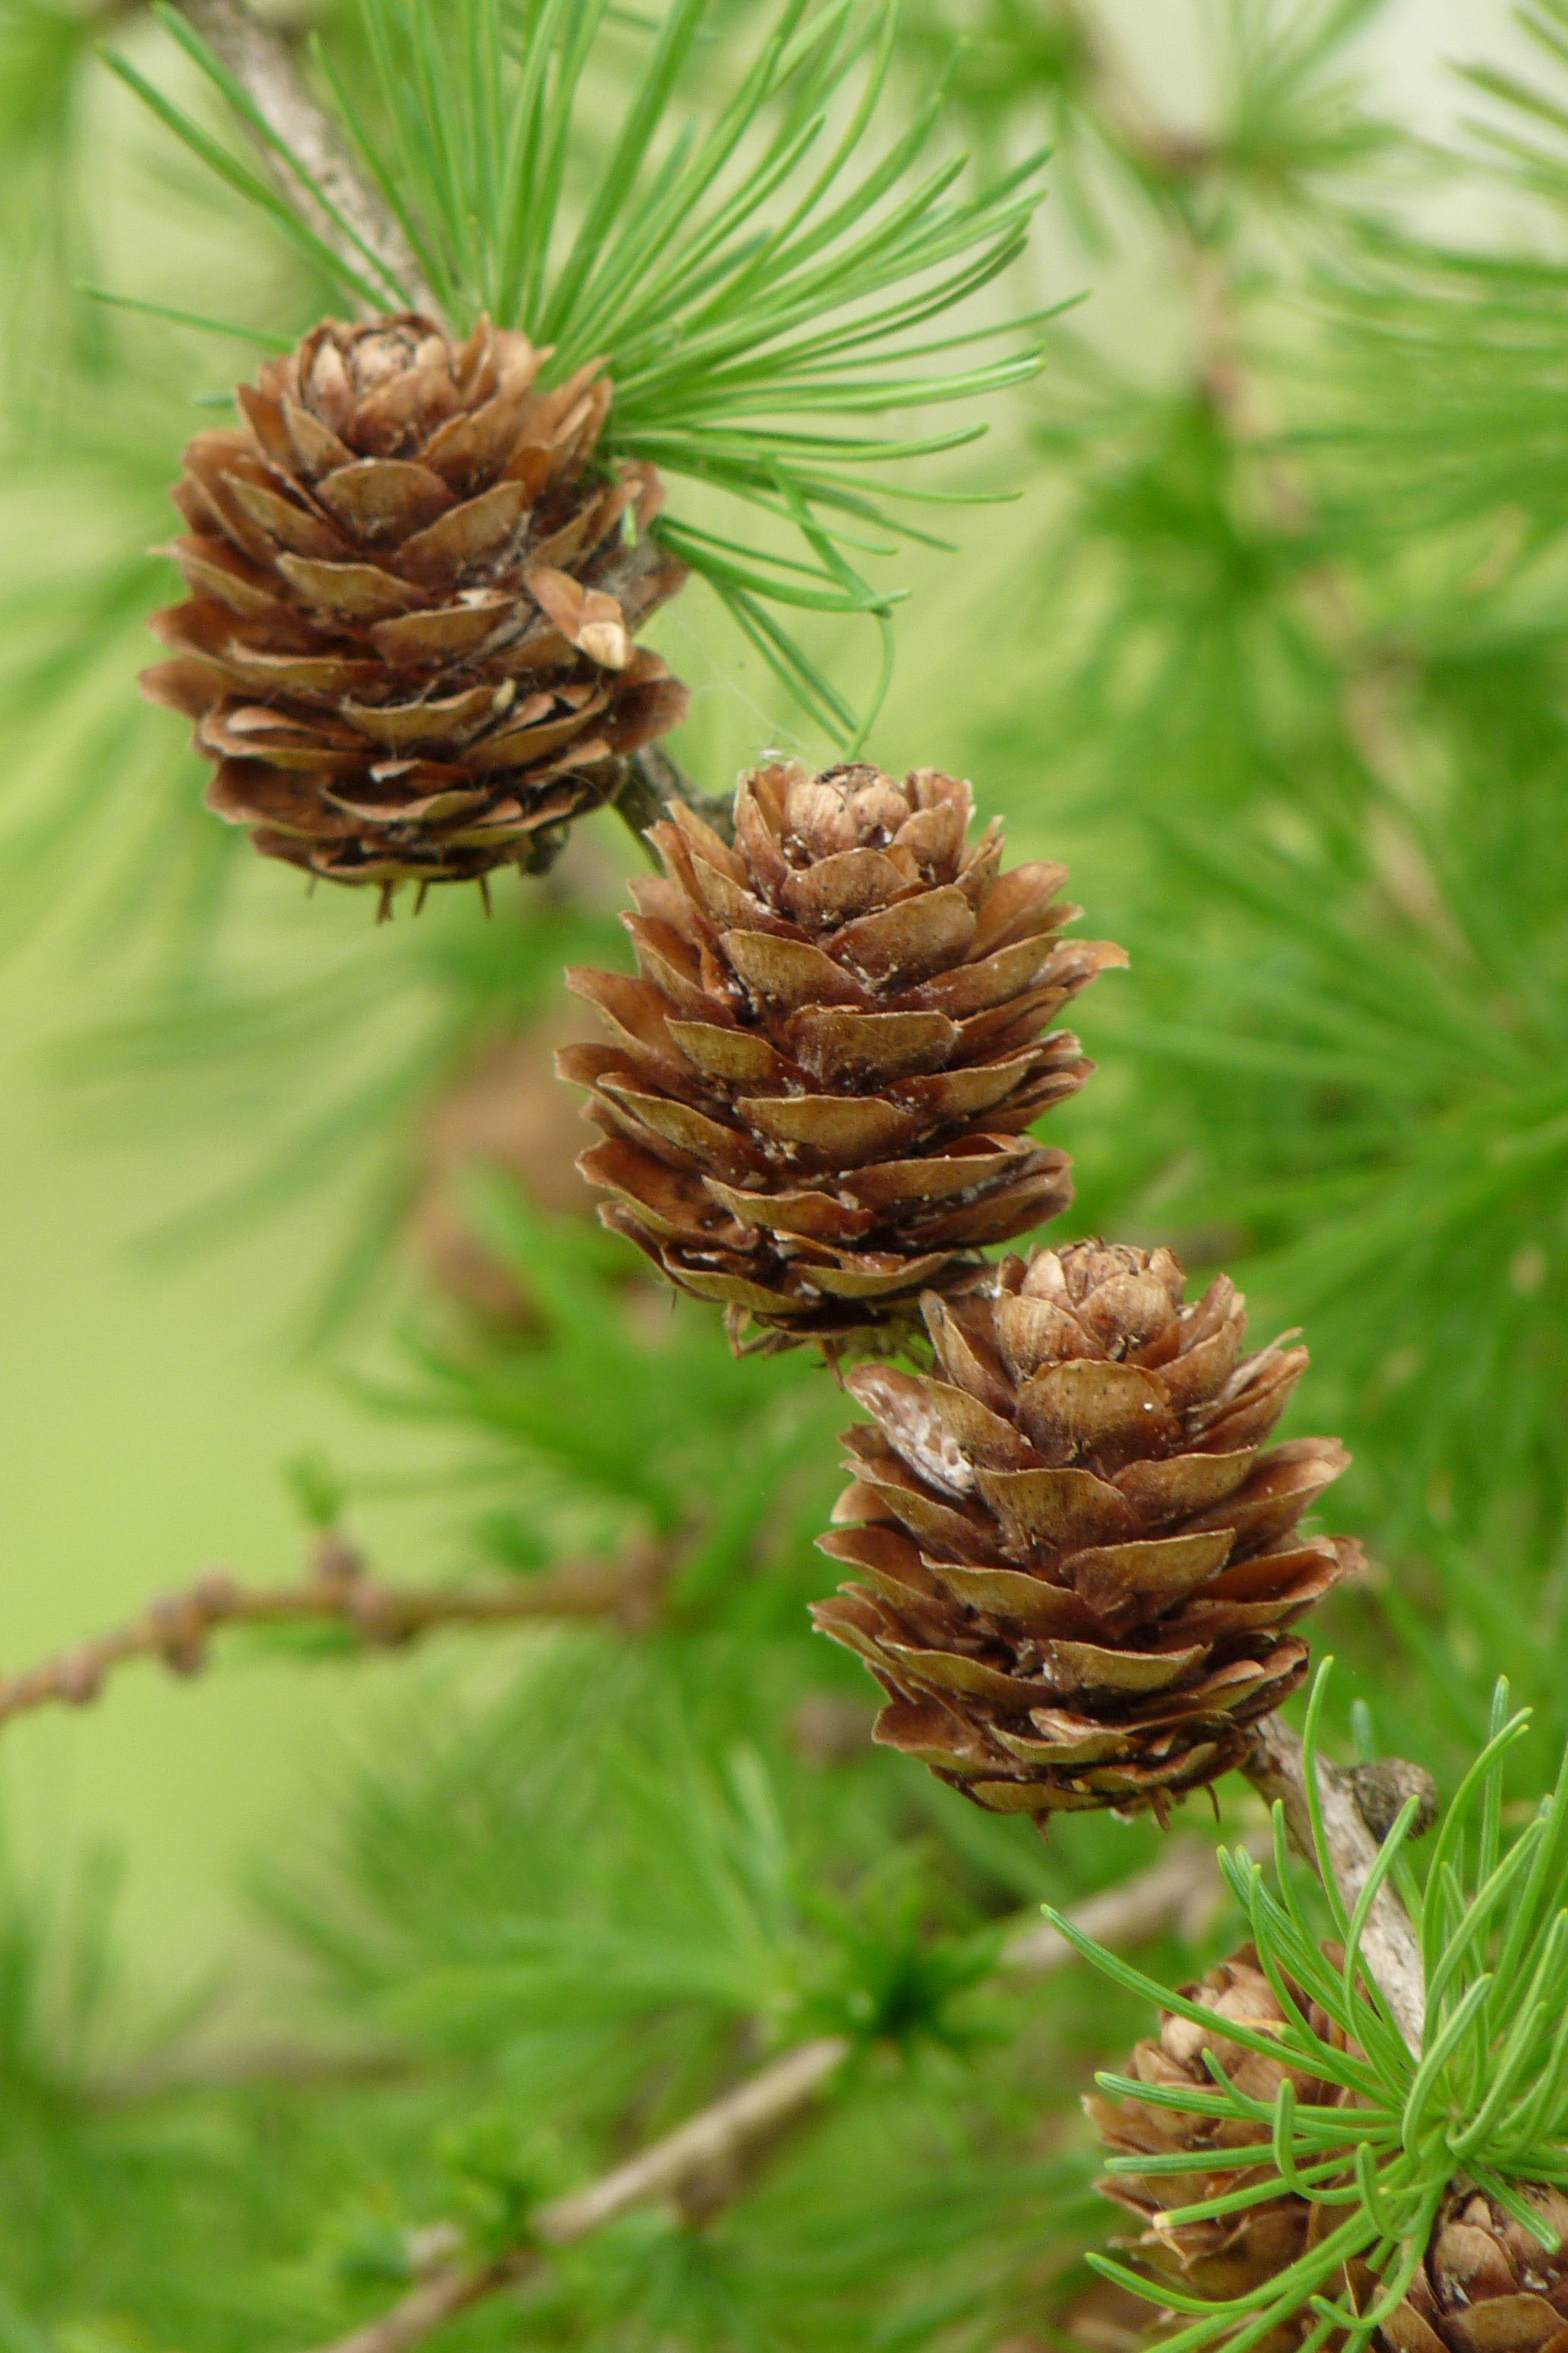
[408, 641]
[816, 1099]
[1228, 2255]
[1079, 1565]
[1487, 2285]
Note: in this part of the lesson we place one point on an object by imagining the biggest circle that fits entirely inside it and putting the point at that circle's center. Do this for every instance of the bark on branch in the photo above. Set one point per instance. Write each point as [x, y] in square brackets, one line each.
[177, 1629]
[265, 64]
[704, 2163]
[1389, 1942]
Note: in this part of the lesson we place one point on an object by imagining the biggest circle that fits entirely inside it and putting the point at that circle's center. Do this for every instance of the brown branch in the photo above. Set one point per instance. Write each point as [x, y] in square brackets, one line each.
[1389, 1942]
[292, 2067]
[1181, 1890]
[176, 1628]
[704, 2163]
[263, 62]
[1170, 158]
[715, 2143]
[654, 783]
[448, 2291]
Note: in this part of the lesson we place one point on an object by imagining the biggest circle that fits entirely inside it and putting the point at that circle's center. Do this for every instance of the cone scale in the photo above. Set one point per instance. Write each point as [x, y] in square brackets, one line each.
[1487, 2284]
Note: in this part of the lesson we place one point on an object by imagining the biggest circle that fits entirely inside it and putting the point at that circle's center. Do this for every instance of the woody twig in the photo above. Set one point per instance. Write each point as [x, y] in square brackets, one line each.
[705, 2163]
[177, 1629]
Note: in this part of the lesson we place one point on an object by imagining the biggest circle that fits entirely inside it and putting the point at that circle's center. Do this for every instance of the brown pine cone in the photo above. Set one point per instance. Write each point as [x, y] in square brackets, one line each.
[816, 1098]
[1228, 2255]
[413, 592]
[1078, 1565]
[1487, 2285]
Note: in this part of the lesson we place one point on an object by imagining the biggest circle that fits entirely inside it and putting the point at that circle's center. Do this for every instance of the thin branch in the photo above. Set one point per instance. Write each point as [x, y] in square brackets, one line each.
[1390, 1947]
[264, 63]
[176, 1628]
[451, 2290]
[288, 2066]
[706, 2162]
[713, 2147]
[1181, 1890]
[1168, 158]
[654, 783]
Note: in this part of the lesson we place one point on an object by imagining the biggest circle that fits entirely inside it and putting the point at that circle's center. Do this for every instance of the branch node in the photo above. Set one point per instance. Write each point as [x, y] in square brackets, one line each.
[377, 1615]
[79, 1677]
[217, 1593]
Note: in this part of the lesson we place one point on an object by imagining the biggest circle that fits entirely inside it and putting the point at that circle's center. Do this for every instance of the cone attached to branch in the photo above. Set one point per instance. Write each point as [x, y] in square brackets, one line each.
[817, 1092]
[1221, 2256]
[408, 644]
[1078, 1565]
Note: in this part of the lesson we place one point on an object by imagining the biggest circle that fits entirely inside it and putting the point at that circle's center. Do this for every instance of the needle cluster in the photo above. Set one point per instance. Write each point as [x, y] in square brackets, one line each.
[1393, 2134]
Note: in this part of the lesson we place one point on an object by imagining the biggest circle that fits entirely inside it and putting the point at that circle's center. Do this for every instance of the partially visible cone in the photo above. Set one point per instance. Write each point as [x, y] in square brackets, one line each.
[1227, 2255]
[815, 1097]
[408, 644]
[1077, 1565]
[1487, 2284]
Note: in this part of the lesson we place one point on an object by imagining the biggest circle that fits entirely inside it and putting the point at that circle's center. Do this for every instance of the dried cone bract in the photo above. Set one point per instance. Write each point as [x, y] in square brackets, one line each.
[818, 1086]
[1077, 1565]
[408, 644]
[1224, 2255]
